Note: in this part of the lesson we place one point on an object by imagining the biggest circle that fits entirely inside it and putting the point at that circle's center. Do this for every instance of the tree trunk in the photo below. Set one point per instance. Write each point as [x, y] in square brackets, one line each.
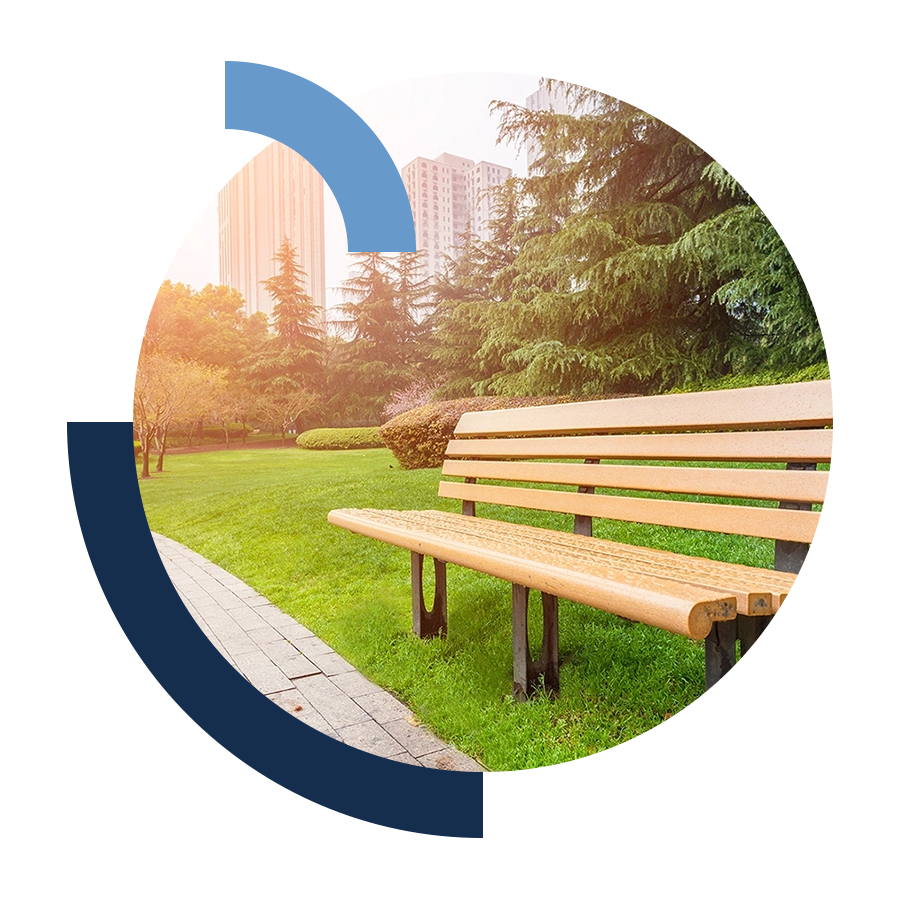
[145, 454]
[162, 449]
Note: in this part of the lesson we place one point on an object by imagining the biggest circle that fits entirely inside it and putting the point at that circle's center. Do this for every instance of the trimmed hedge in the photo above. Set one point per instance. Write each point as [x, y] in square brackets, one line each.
[340, 438]
[418, 438]
[817, 372]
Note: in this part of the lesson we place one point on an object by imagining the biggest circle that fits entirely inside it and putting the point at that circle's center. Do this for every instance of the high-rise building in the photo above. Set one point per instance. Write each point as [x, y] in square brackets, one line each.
[277, 195]
[448, 198]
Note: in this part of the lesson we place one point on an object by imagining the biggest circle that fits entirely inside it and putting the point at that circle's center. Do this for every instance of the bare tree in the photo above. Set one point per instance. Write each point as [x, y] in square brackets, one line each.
[167, 390]
[282, 409]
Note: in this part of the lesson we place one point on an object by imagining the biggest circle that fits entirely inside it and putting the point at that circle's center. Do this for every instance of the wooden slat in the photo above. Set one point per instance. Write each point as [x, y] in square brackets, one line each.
[679, 608]
[759, 592]
[804, 405]
[754, 484]
[747, 446]
[763, 522]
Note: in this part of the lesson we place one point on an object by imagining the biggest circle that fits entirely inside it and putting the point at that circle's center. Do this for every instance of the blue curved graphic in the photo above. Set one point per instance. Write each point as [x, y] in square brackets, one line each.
[335, 141]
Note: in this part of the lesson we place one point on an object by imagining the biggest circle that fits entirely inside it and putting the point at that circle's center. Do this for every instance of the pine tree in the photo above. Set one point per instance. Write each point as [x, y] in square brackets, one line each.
[381, 314]
[469, 336]
[295, 314]
[379, 319]
[776, 242]
[638, 264]
[287, 372]
[412, 288]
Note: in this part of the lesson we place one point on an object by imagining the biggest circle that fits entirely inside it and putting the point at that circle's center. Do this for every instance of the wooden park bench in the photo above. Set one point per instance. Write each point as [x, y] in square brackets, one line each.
[674, 437]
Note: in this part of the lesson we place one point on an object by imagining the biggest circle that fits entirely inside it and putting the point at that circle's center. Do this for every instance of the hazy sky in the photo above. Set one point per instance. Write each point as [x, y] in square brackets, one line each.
[421, 117]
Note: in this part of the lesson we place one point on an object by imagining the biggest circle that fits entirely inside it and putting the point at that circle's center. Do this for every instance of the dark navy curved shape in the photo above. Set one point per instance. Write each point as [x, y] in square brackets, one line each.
[214, 694]
[309, 784]
[335, 141]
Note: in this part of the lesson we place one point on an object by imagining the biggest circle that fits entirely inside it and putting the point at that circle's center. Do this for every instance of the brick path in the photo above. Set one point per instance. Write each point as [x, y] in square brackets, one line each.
[285, 661]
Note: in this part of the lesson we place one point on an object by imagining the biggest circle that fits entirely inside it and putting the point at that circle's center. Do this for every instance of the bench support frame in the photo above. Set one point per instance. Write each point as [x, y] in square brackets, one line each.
[528, 674]
[585, 524]
[433, 622]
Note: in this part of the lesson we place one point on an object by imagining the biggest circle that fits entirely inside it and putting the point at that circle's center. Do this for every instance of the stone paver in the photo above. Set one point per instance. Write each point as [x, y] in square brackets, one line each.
[295, 669]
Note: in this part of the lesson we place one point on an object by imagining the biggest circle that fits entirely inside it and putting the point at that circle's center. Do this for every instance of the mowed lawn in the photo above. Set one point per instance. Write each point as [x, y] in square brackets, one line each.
[262, 515]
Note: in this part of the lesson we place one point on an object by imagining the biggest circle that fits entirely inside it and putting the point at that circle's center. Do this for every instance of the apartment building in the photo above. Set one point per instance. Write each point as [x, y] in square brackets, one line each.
[448, 198]
[277, 194]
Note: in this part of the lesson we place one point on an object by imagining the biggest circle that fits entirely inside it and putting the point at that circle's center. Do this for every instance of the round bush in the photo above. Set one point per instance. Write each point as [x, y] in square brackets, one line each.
[340, 439]
[418, 438]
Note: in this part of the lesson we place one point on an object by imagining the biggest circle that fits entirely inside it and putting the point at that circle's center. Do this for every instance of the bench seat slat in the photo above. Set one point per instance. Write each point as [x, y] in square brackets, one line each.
[754, 484]
[759, 591]
[680, 594]
[803, 405]
[763, 522]
[813, 446]
[670, 604]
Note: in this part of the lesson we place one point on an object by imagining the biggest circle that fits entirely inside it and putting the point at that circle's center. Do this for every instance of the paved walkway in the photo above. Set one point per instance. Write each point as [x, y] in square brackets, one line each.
[294, 669]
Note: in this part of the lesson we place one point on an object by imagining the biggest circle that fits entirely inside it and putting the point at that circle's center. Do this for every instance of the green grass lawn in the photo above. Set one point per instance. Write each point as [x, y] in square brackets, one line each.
[261, 515]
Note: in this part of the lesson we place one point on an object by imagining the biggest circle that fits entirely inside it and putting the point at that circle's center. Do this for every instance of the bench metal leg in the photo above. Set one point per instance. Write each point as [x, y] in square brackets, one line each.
[790, 555]
[585, 524]
[721, 706]
[427, 623]
[527, 673]
[468, 506]
[755, 635]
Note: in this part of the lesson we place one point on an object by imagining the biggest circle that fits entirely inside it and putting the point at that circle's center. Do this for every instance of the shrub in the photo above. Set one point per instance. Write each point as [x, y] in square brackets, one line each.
[137, 449]
[816, 372]
[340, 438]
[418, 438]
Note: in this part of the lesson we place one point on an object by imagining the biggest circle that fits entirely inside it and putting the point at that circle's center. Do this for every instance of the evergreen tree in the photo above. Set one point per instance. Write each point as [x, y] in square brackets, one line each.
[379, 319]
[774, 247]
[601, 304]
[637, 264]
[291, 359]
[287, 373]
[412, 289]
[295, 315]
[468, 337]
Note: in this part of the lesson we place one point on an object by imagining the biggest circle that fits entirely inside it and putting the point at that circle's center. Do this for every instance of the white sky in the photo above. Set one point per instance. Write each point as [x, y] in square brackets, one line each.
[420, 117]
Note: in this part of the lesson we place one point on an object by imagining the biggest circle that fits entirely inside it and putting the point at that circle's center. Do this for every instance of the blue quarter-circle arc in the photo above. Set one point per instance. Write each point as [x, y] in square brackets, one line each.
[333, 139]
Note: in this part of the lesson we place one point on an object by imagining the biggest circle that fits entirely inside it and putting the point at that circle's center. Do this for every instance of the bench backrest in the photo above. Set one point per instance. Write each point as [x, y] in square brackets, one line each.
[788, 425]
